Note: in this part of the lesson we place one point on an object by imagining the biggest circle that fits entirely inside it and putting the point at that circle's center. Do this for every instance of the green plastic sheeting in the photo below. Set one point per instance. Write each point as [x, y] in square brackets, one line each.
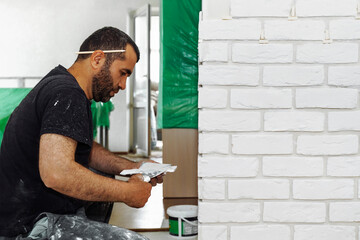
[178, 88]
[100, 114]
[10, 98]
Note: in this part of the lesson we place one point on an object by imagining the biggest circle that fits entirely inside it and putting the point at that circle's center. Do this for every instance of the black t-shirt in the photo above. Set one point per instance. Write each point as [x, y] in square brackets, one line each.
[56, 105]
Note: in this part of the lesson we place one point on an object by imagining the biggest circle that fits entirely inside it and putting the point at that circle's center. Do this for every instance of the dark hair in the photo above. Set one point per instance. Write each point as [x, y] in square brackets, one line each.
[108, 38]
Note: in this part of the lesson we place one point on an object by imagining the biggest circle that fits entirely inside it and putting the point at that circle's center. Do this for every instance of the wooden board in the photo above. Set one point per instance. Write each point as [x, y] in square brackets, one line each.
[180, 148]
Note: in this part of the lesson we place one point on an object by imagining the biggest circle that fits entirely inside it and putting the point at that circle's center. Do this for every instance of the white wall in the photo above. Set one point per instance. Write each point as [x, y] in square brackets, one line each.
[40, 34]
[279, 122]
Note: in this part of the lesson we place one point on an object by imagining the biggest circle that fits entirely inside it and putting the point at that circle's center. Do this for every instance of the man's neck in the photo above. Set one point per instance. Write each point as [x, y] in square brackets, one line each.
[83, 76]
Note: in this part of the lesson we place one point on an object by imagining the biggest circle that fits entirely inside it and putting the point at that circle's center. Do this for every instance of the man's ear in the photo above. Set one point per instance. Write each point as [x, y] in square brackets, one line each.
[97, 59]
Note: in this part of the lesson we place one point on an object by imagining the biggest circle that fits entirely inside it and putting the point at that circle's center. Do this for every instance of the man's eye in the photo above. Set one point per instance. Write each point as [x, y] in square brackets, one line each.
[122, 73]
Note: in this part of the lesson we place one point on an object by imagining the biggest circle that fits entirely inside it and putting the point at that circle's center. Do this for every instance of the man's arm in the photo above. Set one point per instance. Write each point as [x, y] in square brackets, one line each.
[103, 160]
[59, 171]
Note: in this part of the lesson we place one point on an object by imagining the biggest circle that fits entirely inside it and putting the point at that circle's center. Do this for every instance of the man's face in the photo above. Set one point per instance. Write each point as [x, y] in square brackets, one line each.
[112, 78]
[102, 84]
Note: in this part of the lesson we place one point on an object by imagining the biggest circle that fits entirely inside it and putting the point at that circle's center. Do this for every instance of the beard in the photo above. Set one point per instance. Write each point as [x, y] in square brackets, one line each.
[102, 85]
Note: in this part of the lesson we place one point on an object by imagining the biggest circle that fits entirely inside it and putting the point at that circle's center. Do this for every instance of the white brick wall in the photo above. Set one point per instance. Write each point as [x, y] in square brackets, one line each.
[306, 212]
[245, 8]
[293, 166]
[344, 212]
[279, 123]
[326, 98]
[344, 75]
[229, 75]
[265, 53]
[229, 121]
[294, 30]
[294, 75]
[229, 212]
[294, 121]
[328, 8]
[260, 232]
[323, 189]
[314, 232]
[260, 98]
[352, 30]
[259, 189]
[328, 53]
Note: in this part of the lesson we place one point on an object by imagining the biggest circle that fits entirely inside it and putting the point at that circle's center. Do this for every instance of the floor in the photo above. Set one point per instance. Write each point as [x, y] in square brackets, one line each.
[151, 216]
[164, 236]
[150, 220]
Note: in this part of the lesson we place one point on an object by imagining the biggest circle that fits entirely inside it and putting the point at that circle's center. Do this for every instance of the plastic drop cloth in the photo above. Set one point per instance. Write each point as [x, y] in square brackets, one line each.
[178, 95]
[10, 98]
[76, 227]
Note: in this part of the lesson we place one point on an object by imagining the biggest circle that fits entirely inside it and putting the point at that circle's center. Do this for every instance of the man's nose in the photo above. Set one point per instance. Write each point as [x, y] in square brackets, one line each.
[122, 83]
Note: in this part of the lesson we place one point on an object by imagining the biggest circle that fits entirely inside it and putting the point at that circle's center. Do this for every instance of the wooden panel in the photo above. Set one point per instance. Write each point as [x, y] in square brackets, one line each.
[180, 148]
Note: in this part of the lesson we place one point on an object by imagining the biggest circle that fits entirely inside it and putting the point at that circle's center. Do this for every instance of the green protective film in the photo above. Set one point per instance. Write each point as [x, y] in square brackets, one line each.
[101, 114]
[178, 88]
[10, 98]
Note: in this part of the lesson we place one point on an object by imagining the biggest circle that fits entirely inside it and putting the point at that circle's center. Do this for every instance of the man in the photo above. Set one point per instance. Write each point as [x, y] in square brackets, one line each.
[47, 149]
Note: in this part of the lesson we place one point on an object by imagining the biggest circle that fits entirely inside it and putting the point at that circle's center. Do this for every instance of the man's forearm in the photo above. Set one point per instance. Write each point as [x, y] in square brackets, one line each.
[103, 160]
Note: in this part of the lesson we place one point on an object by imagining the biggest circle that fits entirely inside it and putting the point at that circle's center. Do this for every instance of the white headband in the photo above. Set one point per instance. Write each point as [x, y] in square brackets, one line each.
[105, 51]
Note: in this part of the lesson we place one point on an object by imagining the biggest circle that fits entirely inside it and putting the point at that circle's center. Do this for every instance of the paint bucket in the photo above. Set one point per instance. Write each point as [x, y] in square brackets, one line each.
[183, 220]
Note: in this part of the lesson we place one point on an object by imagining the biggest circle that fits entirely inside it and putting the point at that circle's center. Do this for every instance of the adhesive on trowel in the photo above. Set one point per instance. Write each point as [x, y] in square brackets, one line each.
[183, 220]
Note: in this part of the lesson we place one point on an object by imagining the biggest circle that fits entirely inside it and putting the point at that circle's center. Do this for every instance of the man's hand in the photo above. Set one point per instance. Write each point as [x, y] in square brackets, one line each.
[139, 192]
[155, 180]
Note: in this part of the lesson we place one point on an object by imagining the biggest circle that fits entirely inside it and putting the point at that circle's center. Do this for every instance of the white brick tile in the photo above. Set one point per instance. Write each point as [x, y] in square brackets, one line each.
[326, 232]
[307, 8]
[296, 75]
[212, 232]
[293, 166]
[294, 121]
[211, 189]
[263, 8]
[260, 98]
[344, 75]
[261, 232]
[342, 121]
[327, 144]
[229, 212]
[229, 75]
[344, 212]
[229, 29]
[213, 52]
[212, 166]
[345, 29]
[262, 53]
[213, 143]
[344, 166]
[210, 120]
[306, 212]
[327, 53]
[323, 189]
[326, 98]
[212, 98]
[258, 189]
[294, 30]
[262, 144]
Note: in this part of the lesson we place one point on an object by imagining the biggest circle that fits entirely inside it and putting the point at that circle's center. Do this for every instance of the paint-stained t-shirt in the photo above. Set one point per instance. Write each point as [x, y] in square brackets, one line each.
[57, 105]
